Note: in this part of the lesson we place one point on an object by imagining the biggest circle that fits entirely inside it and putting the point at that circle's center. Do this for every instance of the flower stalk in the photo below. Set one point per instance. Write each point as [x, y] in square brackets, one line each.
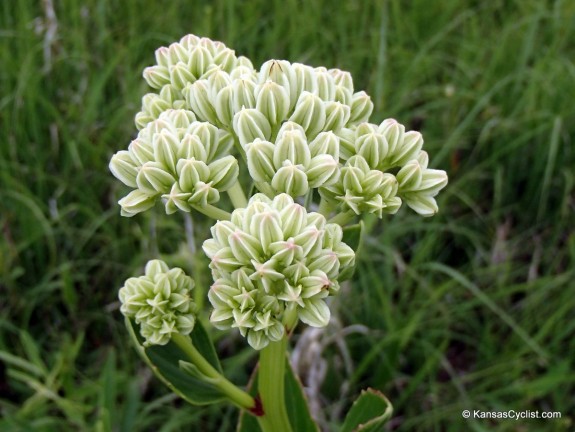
[271, 386]
[237, 396]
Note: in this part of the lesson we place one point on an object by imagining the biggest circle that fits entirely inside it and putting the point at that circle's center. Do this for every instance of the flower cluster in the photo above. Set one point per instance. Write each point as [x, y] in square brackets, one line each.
[178, 158]
[367, 152]
[291, 165]
[181, 64]
[272, 264]
[159, 302]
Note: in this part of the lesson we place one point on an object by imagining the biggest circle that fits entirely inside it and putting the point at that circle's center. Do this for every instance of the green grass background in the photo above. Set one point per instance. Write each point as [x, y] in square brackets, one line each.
[471, 309]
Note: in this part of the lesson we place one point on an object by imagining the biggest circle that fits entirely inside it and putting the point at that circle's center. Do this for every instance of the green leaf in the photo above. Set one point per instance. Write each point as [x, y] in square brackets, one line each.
[164, 360]
[368, 413]
[353, 237]
[296, 405]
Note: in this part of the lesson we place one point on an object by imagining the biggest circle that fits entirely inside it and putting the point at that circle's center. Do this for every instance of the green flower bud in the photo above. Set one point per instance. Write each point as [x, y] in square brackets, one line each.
[250, 124]
[327, 262]
[323, 170]
[409, 149]
[315, 284]
[224, 173]
[225, 142]
[337, 116]
[226, 59]
[245, 247]
[326, 143]
[325, 84]
[373, 147]
[189, 41]
[305, 79]
[294, 219]
[154, 105]
[343, 96]
[245, 62]
[315, 313]
[290, 126]
[342, 78]
[157, 76]
[192, 147]
[204, 194]
[190, 172]
[209, 137]
[280, 72]
[244, 73]
[291, 179]
[217, 79]
[153, 179]
[181, 119]
[136, 202]
[346, 143]
[165, 145]
[310, 114]
[123, 168]
[266, 227]
[142, 119]
[410, 176]
[291, 146]
[198, 98]
[424, 205]
[260, 160]
[180, 76]
[224, 105]
[178, 53]
[432, 181]
[160, 303]
[272, 100]
[172, 95]
[177, 200]
[162, 55]
[393, 132]
[200, 60]
[361, 108]
[243, 95]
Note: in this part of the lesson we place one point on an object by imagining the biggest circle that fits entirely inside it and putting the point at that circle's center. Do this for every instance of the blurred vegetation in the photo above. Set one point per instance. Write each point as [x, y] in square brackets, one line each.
[471, 309]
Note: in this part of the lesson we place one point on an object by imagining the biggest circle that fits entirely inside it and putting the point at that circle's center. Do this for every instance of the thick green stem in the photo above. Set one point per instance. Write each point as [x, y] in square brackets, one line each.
[237, 196]
[234, 394]
[213, 212]
[271, 386]
[325, 208]
[342, 218]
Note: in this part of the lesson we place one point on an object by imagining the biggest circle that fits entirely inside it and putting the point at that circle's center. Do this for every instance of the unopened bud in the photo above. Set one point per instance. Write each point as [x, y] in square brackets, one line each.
[325, 143]
[136, 202]
[190, 172]
[337, 115]
[224, 173]
[123, 168]
[361, 108]
[260, 160]
[157, 76]
[323, 170]
[292, 146]
[310, 114]
[250, 124]
[272, 100]
[290, 179]
[198, 97]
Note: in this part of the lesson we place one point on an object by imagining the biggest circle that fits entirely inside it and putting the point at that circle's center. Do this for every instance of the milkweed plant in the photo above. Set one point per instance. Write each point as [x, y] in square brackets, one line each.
[285, 161]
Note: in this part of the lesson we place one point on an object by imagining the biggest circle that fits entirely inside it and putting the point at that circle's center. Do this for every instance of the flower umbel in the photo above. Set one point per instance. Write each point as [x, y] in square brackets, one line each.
[274, 264]
[159, 302]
